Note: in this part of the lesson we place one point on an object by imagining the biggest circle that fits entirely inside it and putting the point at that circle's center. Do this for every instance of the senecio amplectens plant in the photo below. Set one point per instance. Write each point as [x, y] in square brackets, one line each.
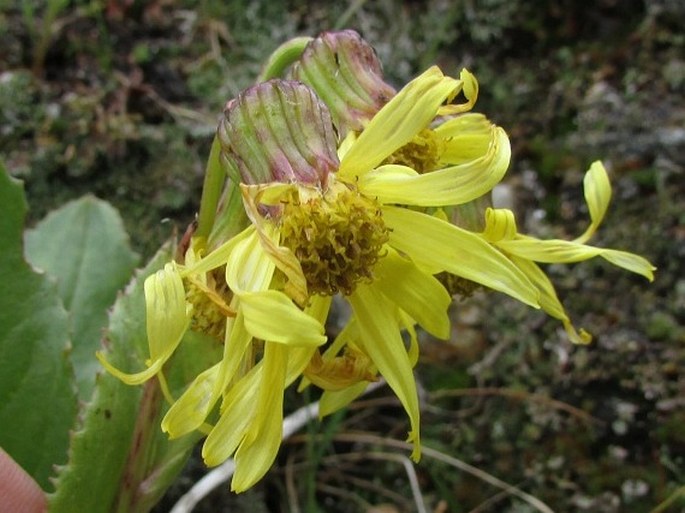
[326, 181]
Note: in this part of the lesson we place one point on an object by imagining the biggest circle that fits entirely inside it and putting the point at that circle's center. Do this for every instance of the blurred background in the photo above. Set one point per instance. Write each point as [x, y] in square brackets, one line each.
[120, 98]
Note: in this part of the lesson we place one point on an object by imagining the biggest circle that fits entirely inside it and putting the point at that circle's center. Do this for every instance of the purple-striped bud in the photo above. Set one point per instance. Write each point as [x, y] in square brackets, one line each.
[345, 72]
[278, 131]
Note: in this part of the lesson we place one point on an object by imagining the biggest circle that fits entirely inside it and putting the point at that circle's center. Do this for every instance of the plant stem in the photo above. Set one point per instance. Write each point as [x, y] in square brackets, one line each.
[283, 57]
[211, 190]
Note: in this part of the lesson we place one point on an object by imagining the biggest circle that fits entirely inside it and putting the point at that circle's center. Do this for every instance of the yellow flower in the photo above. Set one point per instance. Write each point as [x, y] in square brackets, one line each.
[524, 251]
[337, 230]
[319, 226]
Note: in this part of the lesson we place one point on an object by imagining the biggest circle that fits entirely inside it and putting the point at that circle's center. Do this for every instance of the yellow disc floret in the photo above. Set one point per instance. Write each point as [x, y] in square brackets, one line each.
[421, 154]
[337, 236]
[210, 309]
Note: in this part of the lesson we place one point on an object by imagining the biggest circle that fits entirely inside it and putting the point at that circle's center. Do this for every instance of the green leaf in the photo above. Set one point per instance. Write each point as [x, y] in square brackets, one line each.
[119, 459]
[37, 395]
[84, 246]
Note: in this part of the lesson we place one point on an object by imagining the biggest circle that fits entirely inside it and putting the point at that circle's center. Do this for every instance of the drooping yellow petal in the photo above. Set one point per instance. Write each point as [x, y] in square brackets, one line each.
[167, 311]
[439, 246]
[597, 190]
[259, 448]
[563, 251]
[191, 409]
[414, 291]
[271, 315]
[167, 318]
[196, 403]
[452, 185]
[131, 379]
[549, 301]
[380, 339]
[409, 112]
[237, 414]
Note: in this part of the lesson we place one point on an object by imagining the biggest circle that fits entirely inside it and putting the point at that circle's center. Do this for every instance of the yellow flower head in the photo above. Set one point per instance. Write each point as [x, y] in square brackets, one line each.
[321, 223]
[330, 226]
[336, 185]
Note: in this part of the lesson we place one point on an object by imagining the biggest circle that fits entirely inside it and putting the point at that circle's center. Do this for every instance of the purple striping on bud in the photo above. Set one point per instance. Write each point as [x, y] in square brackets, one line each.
[278, 131]
[345, 72]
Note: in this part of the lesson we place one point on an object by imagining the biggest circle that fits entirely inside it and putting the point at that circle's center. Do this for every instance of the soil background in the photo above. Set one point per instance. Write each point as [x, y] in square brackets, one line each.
[120, 99]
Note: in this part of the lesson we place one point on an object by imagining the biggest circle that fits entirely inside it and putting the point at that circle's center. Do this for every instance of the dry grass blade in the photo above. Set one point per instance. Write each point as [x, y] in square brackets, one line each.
[290, 487]
[521, 395]
[344, 494]
[679, 493]
[485, 505]
[454, 462]
[399, 458]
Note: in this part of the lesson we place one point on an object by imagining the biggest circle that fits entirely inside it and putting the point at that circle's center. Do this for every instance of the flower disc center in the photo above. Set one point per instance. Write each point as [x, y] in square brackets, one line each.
[337, 236]
[422, 153]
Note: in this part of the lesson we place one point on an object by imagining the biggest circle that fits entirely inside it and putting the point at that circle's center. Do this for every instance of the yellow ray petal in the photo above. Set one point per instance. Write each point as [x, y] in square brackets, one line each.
[249, 268]
[439, 246]
[167, 311]
[237, 415]
[334, 400]
[453, 185]
[191, 409]
[131, 379]
[416, 292]
[167, 319]
[549, 301]
[271, 315]
[220, 255]
[259, 448]
[466, 137]
[282, 257]
[380, 339]
[597, 190]
[563, 251]
[409, 112]
[500, 224]
[470, 90]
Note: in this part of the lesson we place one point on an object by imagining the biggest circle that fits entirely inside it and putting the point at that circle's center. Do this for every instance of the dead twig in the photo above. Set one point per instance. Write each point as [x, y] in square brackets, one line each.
[520, 395]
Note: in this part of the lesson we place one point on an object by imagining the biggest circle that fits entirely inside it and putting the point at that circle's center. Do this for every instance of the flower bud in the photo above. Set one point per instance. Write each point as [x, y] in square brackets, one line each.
[278, 131]
[345, 72]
